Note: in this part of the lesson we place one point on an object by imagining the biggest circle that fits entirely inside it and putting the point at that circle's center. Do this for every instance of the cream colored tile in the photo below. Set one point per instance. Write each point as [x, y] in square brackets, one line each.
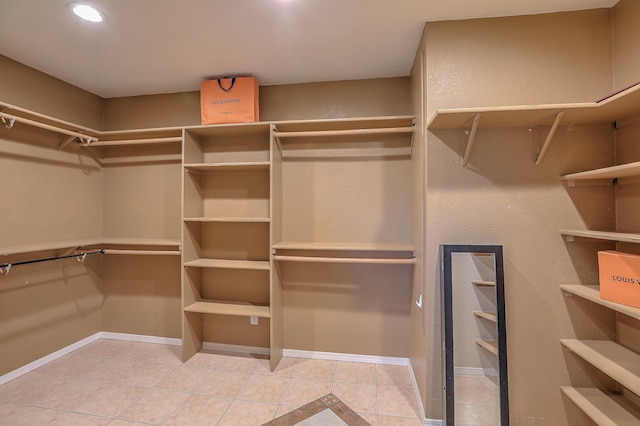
[285, 367]
[22, 415]
[120, 422]
[355, 372]
[490, 382]
[303, 391]
[399, 421]
[393, 375]
[372, 419]
[485, 415]
[109, 348]
[284, 409]
[30, 388]
[264, 388]
[72, 393]
[75, 419]
[223, 383]
[467, 382]
[248, 413]
[474, 397]
[238, 363]
[166, 354]
[71, 365]
[155, 406]
[111, 401]
[146, 374]
[199, 410]
[110, 369]
[397, 401]
[315, 369]
[463, 416]
[185, 378]
[359, 397]
[204, 359]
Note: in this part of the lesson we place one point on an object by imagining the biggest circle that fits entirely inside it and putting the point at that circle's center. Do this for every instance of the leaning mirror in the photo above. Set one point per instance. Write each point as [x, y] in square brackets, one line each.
[474, 335]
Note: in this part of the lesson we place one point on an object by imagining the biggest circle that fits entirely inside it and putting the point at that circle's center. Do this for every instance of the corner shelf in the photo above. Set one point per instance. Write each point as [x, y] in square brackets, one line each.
[613, 359]
[229, 308]
[489, 316]
[602, 235]
[592, 293]
[604, 408]
[489, 345]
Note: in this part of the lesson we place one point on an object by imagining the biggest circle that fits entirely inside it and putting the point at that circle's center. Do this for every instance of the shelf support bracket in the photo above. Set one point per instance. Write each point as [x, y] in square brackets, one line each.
[66, 142]
[8, 123]
[547, 141]
[471, 140]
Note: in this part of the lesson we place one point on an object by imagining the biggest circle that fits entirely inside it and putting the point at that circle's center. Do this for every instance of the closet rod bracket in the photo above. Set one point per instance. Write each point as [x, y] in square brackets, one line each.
[4, 269]
[8, 123]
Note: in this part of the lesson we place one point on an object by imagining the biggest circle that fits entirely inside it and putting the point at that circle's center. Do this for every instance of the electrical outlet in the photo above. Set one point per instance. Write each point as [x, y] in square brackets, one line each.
[253, 320]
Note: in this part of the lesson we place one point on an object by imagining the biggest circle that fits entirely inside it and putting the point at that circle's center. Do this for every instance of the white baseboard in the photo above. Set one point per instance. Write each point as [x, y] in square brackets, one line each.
[473, 371]
[432, 422]
[335, 356]
[48, 358]
[235, 348]
[140, 338]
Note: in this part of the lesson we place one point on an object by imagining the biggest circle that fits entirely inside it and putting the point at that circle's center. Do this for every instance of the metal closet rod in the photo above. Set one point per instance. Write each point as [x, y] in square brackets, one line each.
[6, 267]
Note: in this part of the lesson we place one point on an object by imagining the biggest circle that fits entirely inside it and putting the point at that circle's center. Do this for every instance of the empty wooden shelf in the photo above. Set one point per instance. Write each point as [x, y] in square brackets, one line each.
[604, 408]
[484, 283]
[613, 359]
[592, 293]
[332, 252]
[228, 264]
[230, 219]
[228, 308]
[490, 316]
[229, 166]
[602, 235]
[490, 345]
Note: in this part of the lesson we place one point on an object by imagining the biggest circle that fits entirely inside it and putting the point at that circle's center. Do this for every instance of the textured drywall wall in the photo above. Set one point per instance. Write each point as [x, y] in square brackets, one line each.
[626, 33]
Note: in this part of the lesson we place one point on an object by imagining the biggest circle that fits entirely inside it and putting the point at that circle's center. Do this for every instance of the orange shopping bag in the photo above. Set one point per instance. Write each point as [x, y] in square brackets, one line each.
[229, 100]
[619, 277]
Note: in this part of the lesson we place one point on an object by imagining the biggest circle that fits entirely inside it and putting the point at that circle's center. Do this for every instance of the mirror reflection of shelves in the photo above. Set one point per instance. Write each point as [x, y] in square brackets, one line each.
[490, 345]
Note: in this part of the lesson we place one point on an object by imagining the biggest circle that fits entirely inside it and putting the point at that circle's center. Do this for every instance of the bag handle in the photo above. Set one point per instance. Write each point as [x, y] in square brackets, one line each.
[233, 81]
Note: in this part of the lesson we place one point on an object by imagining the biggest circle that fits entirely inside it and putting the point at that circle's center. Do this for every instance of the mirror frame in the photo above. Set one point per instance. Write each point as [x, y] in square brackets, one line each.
[446, 309]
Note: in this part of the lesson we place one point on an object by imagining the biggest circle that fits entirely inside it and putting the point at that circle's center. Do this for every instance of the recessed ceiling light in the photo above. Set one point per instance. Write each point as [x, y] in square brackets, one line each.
[86, 12]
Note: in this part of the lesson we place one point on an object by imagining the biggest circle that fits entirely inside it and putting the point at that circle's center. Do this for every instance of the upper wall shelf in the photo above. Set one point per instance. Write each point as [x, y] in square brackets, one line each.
[602, 235]
[381, 253]
[614, 172]
[620, 108]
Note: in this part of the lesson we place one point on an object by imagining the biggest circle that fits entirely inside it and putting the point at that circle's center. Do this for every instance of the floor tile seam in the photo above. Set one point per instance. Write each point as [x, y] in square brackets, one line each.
[142, 422]
[481, 405]
[175, 410]
[377, 393]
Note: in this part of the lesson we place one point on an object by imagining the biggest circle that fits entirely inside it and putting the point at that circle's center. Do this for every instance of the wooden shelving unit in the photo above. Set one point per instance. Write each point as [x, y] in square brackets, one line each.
[489, 316]
[325, 252]
[592, 293]
[489, 345]
[226, 216]
[613, 359]
[604, 408]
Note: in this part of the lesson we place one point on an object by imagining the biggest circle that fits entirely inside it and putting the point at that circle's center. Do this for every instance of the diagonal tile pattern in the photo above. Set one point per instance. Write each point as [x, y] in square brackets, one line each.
[119, 383]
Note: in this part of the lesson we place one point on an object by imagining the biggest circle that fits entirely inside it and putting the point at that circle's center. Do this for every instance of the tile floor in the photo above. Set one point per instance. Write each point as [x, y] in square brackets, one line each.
[119, 383]
[477, 400]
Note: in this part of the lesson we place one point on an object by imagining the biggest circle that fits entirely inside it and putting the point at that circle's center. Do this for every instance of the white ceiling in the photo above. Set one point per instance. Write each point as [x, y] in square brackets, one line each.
[165, 46]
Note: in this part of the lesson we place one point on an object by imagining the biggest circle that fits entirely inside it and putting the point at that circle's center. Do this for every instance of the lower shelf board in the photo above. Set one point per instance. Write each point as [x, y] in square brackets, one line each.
[592, 293]
[613, 359]
[229, 308]
[484, 283]
[490, 316]
[229, 264]
[490, 345]
[604, 408]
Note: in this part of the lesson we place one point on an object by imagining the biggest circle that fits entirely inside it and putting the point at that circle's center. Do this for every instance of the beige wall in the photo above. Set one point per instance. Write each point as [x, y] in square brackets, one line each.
[508, 61]
[626, 33]
[25, 87]
[338, 99]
